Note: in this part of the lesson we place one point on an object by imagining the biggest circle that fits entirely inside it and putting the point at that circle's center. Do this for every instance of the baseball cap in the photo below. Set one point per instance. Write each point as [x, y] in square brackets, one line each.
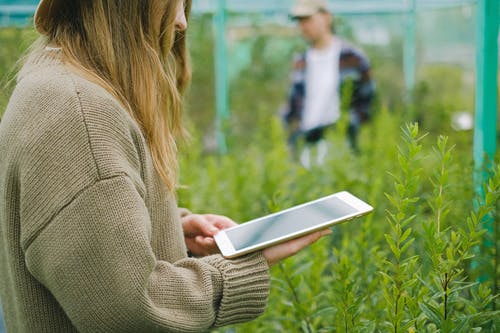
[305, 8]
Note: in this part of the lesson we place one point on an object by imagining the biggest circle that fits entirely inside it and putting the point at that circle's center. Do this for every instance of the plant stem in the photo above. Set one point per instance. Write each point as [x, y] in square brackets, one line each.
[396, 313]
[296, 299]
[445, 295]
[345, 322]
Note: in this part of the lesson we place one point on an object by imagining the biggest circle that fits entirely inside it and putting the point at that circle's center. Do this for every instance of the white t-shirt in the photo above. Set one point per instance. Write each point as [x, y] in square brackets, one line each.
[322, 100]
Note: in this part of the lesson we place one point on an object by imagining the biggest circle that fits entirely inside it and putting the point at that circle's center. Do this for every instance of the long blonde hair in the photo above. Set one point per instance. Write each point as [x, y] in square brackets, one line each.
[116, 44]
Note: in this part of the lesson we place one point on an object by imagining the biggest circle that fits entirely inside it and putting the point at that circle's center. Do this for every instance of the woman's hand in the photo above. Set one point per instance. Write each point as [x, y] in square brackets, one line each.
[281, 251]
[199, 230]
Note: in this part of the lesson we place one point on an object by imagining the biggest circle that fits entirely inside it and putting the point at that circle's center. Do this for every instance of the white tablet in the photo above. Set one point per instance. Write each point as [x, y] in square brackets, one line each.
[290, 223]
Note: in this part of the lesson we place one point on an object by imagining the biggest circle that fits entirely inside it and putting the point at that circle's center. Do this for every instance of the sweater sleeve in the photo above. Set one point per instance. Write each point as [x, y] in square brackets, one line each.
[96, 259]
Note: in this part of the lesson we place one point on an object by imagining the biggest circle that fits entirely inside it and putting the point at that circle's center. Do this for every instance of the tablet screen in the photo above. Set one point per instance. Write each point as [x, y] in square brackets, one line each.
[288, 222]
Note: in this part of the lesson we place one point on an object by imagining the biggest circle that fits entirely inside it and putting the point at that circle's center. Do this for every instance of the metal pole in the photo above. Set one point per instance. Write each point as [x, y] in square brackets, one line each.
[221, 76]
[486, 106]
[409, 55]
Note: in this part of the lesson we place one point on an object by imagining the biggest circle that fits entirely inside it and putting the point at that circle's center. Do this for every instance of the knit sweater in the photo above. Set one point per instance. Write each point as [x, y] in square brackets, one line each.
[90, 238]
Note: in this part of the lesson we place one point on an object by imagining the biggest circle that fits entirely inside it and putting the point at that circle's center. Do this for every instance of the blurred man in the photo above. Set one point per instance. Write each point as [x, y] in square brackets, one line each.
[318, 76]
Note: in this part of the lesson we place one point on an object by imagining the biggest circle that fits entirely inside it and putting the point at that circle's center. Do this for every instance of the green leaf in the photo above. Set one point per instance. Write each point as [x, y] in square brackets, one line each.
[305, 327]
[302, 268]
[405, 235]
[323, 311]
[431, 312]
[407, 245]
[462, 326]
[485, 316]
[387, 276]
[395, 250]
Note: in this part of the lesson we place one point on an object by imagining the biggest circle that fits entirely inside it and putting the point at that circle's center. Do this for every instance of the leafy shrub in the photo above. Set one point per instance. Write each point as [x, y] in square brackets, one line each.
[404, 268]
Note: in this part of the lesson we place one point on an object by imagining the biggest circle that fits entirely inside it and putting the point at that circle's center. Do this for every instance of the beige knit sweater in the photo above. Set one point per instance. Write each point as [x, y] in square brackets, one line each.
[90, 240]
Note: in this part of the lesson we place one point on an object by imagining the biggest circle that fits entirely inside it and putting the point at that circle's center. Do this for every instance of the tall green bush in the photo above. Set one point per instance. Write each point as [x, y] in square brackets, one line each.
[404, 268]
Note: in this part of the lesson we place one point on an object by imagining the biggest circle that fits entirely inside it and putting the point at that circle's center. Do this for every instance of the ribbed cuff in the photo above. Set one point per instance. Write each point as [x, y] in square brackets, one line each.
[246, 283]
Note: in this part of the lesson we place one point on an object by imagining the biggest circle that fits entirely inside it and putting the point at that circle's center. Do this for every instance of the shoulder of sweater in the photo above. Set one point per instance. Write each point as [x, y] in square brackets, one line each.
[46, 74]
[60, 135]
[65, 106]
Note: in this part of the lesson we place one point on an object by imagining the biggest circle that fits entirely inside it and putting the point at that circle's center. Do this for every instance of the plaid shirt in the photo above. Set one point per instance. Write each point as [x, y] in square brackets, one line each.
[353, 67]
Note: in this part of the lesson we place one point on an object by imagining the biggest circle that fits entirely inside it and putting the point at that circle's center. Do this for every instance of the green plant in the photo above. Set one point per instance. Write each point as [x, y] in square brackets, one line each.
[399, 271]
[448, 249]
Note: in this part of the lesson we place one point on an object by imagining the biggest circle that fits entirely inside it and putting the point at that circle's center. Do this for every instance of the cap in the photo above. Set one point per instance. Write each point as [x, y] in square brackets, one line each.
[305, 8]
[44, 13]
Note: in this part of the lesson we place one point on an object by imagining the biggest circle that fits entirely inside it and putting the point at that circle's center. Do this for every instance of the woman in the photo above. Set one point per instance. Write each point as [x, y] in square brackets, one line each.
[92, 239]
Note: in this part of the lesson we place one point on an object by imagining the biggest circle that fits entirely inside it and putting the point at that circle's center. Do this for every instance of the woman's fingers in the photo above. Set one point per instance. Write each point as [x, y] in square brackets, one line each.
[279, 252]
[194, 225]
[205, 225]
[202, 246]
